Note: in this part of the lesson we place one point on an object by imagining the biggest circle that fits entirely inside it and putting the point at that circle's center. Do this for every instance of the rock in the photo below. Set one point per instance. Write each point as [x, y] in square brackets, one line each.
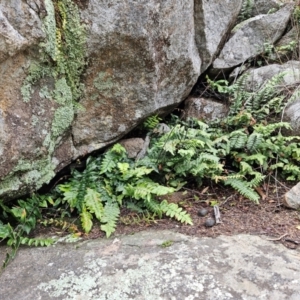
[144, 61]
[292, 116]
[250, 37]
[210, 223]
[206, 109]
[292, 197]
[257, 77]
[133, 146]
[176, 197]
[286, 47]
[260, 7]
[20, 28]
[202, 212]
[214, 20]
[37, 95]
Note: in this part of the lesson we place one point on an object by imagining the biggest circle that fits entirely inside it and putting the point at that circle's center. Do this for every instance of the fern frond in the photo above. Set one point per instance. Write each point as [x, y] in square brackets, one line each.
[86, 220]
[237, 139]
[153, 206]
[254, 140]
[110, 218]
[174, 211]
[243, 188]
[93, 203]
[37, 242]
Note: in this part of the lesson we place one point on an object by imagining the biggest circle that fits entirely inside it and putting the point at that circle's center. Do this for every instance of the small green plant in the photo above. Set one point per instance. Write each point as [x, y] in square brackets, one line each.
[151, 122]
[167, 243]
[246, 10]
[20, 220]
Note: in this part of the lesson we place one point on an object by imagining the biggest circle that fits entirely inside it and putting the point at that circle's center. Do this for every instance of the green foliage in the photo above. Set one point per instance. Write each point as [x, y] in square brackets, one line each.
[109, 180]
[246, 10]
[240, 151]
[151, 122]
[25, 215]
[63, 52]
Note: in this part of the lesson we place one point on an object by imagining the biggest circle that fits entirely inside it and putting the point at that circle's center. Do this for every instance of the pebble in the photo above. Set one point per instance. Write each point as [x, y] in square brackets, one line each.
[210, 223]
[202, 212]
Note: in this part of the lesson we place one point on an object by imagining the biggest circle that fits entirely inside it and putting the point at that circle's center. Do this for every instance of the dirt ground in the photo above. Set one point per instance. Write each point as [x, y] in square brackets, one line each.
[238, 215]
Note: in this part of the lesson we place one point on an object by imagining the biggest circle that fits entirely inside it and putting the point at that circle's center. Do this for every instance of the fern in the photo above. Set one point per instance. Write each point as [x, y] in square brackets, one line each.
[151, 122]
[154, 206]
[86, 220]
[93, 203]
[243, 188]
[174, 211]
[254, 140]
[110, 218]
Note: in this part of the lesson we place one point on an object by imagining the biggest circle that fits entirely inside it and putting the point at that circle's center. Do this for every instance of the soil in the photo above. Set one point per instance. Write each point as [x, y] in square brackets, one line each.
[269, 218]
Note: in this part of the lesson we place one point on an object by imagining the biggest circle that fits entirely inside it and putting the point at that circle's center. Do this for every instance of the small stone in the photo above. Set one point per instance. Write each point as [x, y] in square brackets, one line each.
[202, 212]
[210, 223]
[292, 197]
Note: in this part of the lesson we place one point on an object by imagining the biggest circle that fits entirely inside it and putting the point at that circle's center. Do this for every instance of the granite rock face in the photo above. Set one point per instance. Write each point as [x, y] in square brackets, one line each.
[250, 37]
[213, 22]
[143, 60]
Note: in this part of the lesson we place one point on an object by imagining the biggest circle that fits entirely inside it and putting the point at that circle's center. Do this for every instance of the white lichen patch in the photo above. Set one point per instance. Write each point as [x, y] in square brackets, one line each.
[149, 277]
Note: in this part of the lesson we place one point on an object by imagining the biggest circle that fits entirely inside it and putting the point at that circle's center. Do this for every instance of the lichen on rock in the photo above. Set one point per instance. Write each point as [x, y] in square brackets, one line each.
[53, 78]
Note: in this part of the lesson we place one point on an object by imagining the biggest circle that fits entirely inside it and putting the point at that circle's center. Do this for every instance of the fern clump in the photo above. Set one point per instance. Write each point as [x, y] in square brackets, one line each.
[111, 181]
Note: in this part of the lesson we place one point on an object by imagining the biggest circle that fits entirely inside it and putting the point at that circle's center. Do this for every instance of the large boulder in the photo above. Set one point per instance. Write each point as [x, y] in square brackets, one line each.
[213, 22]
[251, 36]
[255, 78]
[143, 60]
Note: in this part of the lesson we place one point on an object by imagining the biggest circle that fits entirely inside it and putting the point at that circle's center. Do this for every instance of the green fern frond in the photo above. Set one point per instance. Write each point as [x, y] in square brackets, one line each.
[258, 157]
[151, 122]
[243, 188]
[37, 242]
[93, 203]
[238, 139]
[174, 211]
[110, 218]
[86, 220]
[153, 206]
[254, 140]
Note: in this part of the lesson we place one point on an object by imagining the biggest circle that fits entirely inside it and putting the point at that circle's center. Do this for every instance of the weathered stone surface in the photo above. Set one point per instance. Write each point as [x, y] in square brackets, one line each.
[143, 59]
[213, 22]
[139, 267]
[292, 115]
[285, 47]
[133, 146]
[259, 7]
[20, 26]
[206, 109]
[249, 38]
[257, 77]
[36, 107]
[292, 197]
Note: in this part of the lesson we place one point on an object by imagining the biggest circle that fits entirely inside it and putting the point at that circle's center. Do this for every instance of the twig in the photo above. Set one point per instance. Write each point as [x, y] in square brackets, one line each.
[278, 239]
[217, 214]
[261, 193]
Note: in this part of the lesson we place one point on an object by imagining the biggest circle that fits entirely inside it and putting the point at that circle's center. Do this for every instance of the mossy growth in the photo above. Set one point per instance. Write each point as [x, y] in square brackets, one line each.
[61, 61]
[63, 51]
